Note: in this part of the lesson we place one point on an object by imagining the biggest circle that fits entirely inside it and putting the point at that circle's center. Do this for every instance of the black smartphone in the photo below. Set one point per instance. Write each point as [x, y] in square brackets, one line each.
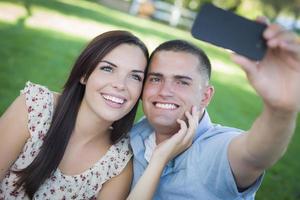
[228, 30]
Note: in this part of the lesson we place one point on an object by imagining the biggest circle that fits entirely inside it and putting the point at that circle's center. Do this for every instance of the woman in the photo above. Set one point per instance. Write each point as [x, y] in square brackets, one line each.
[83, 153]
[73, 145]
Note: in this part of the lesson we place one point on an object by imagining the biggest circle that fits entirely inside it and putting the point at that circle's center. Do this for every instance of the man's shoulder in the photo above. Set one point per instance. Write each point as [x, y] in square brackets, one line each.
[218, 130]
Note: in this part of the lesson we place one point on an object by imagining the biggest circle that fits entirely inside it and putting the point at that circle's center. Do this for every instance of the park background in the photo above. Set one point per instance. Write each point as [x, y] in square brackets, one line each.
[40, 40]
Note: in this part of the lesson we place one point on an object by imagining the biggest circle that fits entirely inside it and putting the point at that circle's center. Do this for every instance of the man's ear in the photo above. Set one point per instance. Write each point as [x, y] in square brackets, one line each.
[207, 96]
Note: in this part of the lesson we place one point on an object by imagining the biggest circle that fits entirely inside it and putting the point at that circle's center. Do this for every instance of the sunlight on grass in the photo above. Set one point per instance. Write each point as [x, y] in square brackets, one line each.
[82, 19]
[10, 12]
[45, 18]
[230, 74]
[52, 20]
[143, 23]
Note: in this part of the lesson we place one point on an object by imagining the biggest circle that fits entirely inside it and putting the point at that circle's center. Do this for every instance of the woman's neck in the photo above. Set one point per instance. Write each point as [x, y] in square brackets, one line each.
[89, 126]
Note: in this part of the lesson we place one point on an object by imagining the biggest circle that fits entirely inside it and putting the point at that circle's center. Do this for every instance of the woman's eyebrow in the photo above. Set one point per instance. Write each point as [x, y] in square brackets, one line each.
[138, 71]
[114, 65]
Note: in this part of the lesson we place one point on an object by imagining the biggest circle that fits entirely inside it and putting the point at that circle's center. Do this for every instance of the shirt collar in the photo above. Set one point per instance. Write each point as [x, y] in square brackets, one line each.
[204, 125]
[143, 129]
[138, 135]
[173, 165]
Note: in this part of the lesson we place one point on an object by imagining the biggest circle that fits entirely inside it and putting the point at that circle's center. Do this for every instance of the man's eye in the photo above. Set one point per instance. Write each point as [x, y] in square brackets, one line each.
[137, 77]
[154, 79]
[106, 68]
[183, 83]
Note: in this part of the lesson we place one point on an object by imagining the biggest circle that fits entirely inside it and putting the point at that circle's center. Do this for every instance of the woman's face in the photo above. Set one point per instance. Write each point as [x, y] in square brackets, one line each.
[115, 85]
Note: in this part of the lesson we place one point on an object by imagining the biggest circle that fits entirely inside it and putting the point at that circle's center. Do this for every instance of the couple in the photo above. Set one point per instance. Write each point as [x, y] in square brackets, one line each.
[74, 146]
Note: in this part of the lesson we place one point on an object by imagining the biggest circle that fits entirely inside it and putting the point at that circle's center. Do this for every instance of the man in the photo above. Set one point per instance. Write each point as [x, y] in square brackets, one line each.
[222, 162]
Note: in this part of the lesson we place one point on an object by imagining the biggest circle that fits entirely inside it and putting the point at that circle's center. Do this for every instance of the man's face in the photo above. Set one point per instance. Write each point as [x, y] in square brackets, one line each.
[173, 85]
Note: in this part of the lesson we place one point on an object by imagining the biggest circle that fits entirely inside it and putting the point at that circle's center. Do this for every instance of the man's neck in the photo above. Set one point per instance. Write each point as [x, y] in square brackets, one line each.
[160, 138]
[164, 135]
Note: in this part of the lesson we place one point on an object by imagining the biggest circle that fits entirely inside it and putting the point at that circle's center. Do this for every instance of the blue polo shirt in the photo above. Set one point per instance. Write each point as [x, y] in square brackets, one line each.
[202, 172]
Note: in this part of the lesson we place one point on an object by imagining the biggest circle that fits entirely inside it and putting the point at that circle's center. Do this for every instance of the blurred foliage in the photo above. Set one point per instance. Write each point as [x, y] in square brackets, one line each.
[270, 8]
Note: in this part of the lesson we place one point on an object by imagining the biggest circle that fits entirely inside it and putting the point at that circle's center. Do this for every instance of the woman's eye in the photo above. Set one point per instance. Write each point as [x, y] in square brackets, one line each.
[137, 77]
[106, 68]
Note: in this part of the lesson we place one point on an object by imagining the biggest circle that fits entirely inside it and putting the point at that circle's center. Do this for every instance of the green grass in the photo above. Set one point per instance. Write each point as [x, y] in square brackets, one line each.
[45, 56]
[37, 55]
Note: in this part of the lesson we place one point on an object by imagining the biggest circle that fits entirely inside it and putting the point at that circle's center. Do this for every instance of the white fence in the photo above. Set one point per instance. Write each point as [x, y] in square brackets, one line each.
[174, 14]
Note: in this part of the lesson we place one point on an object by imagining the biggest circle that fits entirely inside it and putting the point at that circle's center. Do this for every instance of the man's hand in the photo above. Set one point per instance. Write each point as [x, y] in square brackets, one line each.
[277, 77]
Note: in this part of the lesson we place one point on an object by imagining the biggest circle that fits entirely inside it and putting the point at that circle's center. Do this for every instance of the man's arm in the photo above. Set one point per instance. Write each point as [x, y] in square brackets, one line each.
[277, 80]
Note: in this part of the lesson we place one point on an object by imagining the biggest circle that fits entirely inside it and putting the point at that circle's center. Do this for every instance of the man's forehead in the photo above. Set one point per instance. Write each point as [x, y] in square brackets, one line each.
[164, 72]
[172, 65]
[177, 56]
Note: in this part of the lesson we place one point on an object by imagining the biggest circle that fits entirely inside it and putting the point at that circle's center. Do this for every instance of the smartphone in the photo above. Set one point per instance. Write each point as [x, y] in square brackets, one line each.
[228, 30]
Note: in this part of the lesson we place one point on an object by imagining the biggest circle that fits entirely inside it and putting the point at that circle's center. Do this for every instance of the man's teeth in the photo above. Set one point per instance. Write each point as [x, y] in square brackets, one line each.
[165, 105]
[114, 99]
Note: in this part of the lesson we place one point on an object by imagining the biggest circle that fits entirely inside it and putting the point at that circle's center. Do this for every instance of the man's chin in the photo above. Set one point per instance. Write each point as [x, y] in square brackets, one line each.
[164, 122]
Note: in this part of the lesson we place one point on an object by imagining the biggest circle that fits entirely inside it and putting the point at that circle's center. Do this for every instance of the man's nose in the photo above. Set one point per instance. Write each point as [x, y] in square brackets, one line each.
[166, 89]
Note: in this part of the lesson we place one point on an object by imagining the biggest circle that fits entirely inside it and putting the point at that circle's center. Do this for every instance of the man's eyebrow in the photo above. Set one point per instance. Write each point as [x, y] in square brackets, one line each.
[155, 74]
[182, 77]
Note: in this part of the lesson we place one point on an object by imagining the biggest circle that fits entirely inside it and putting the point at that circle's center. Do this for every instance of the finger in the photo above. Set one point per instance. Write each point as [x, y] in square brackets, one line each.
[189, 117]
[193, 119]
[277, 36]
[182, 131]
[293, 47]
[249, 66]
[272, 31]
[263, 20]
[282, 37]
[196, 114]
[193, 122]
[291, 43]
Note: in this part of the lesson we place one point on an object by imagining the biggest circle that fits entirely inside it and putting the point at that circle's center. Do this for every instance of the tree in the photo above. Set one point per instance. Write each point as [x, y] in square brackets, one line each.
[272, 8]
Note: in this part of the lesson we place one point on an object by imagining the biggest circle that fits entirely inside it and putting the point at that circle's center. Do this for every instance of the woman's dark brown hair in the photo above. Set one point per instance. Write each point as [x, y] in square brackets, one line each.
[59, 133]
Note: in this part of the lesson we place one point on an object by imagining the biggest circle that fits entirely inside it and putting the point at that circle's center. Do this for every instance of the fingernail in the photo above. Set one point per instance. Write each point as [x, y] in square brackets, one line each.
[267, 33]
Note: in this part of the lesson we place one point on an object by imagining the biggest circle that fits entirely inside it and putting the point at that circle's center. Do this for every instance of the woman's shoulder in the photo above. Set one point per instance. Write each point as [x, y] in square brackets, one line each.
[115, 161]
[123, 147]
[36, 90]
[40, 103]
[38, 93]
[121, 153]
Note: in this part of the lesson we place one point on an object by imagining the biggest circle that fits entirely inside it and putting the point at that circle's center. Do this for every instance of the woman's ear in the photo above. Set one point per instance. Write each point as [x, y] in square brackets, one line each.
[82, 80]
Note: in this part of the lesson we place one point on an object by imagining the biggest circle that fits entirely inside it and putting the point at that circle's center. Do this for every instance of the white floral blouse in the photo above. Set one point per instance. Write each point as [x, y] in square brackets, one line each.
[86, 185]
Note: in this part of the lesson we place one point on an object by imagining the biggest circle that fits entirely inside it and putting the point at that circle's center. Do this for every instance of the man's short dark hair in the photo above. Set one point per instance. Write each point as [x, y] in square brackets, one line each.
[184, 46]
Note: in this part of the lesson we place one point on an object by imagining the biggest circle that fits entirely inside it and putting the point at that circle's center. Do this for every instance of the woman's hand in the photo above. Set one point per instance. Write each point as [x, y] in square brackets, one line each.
[180, 141]
[163, 153]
